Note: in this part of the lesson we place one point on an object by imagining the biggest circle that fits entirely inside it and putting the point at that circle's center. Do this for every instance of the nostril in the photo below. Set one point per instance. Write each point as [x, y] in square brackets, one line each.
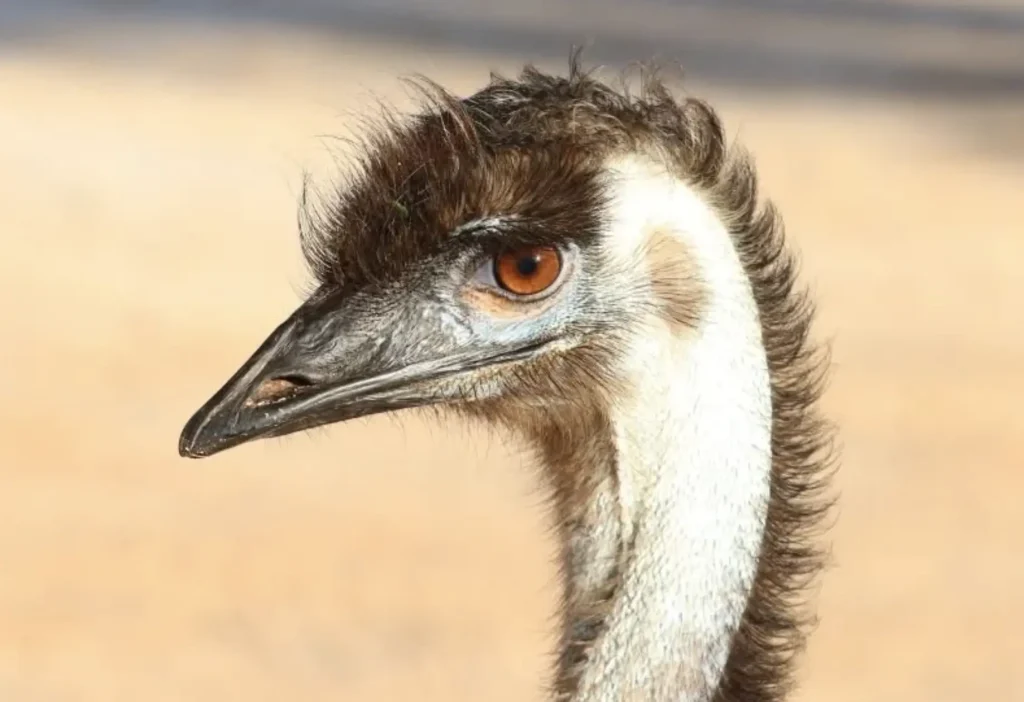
[277, 389]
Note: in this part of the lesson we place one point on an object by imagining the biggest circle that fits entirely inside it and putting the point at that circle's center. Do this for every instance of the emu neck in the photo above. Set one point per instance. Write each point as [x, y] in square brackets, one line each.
[662, 554]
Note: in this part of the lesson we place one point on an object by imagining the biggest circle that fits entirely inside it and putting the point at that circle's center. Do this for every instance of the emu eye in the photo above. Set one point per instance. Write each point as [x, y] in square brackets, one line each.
[528, 271]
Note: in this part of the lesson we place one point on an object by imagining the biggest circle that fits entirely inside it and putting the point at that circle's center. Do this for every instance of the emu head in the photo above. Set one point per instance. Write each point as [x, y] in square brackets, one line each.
[472, 264]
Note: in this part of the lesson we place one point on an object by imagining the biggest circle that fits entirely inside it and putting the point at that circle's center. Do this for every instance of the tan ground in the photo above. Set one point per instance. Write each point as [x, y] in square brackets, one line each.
[148, 242]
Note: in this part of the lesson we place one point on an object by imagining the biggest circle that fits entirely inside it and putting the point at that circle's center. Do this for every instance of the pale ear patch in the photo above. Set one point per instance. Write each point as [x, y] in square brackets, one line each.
[675, 281]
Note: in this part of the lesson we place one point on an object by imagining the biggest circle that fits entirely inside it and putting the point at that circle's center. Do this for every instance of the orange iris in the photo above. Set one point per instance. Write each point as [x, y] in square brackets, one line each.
[528, 271]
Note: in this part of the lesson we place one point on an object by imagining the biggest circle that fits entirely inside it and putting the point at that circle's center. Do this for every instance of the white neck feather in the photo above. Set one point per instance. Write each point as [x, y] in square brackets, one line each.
[694, 461]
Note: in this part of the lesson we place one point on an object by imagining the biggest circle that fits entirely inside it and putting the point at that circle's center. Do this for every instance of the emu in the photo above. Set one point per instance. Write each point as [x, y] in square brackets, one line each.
[593, 269]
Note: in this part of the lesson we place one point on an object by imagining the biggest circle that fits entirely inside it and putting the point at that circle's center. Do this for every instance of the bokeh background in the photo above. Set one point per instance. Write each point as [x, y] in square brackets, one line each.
[151, 157]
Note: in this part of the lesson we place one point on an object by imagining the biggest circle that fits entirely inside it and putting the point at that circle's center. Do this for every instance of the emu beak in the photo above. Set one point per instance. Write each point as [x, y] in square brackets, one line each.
[321, 366]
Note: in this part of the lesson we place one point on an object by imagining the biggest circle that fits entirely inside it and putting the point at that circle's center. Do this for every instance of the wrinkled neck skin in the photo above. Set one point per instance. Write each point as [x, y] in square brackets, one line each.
[668, 542]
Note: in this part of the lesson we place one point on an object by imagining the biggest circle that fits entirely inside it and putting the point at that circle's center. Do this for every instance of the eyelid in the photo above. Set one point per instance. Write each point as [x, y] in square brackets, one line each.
[483, 226]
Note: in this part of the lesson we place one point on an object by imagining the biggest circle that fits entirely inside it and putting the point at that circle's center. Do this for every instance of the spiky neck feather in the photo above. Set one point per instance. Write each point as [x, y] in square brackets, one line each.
[690, 539]
[664, 548]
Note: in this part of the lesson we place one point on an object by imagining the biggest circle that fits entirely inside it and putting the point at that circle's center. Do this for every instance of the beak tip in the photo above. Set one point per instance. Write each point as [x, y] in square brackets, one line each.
[209, 432]
[188, 451]
[188, 446]
[195, 440]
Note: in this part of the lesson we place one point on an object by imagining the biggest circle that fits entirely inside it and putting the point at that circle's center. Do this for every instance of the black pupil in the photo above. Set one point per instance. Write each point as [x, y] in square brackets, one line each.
[527, 265]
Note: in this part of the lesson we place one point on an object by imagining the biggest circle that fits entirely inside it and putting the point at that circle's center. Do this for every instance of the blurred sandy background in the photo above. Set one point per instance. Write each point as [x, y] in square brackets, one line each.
[150, 161]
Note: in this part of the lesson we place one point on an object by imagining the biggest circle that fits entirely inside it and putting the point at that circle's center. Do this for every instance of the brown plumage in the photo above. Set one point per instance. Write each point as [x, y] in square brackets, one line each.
[520, 163]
